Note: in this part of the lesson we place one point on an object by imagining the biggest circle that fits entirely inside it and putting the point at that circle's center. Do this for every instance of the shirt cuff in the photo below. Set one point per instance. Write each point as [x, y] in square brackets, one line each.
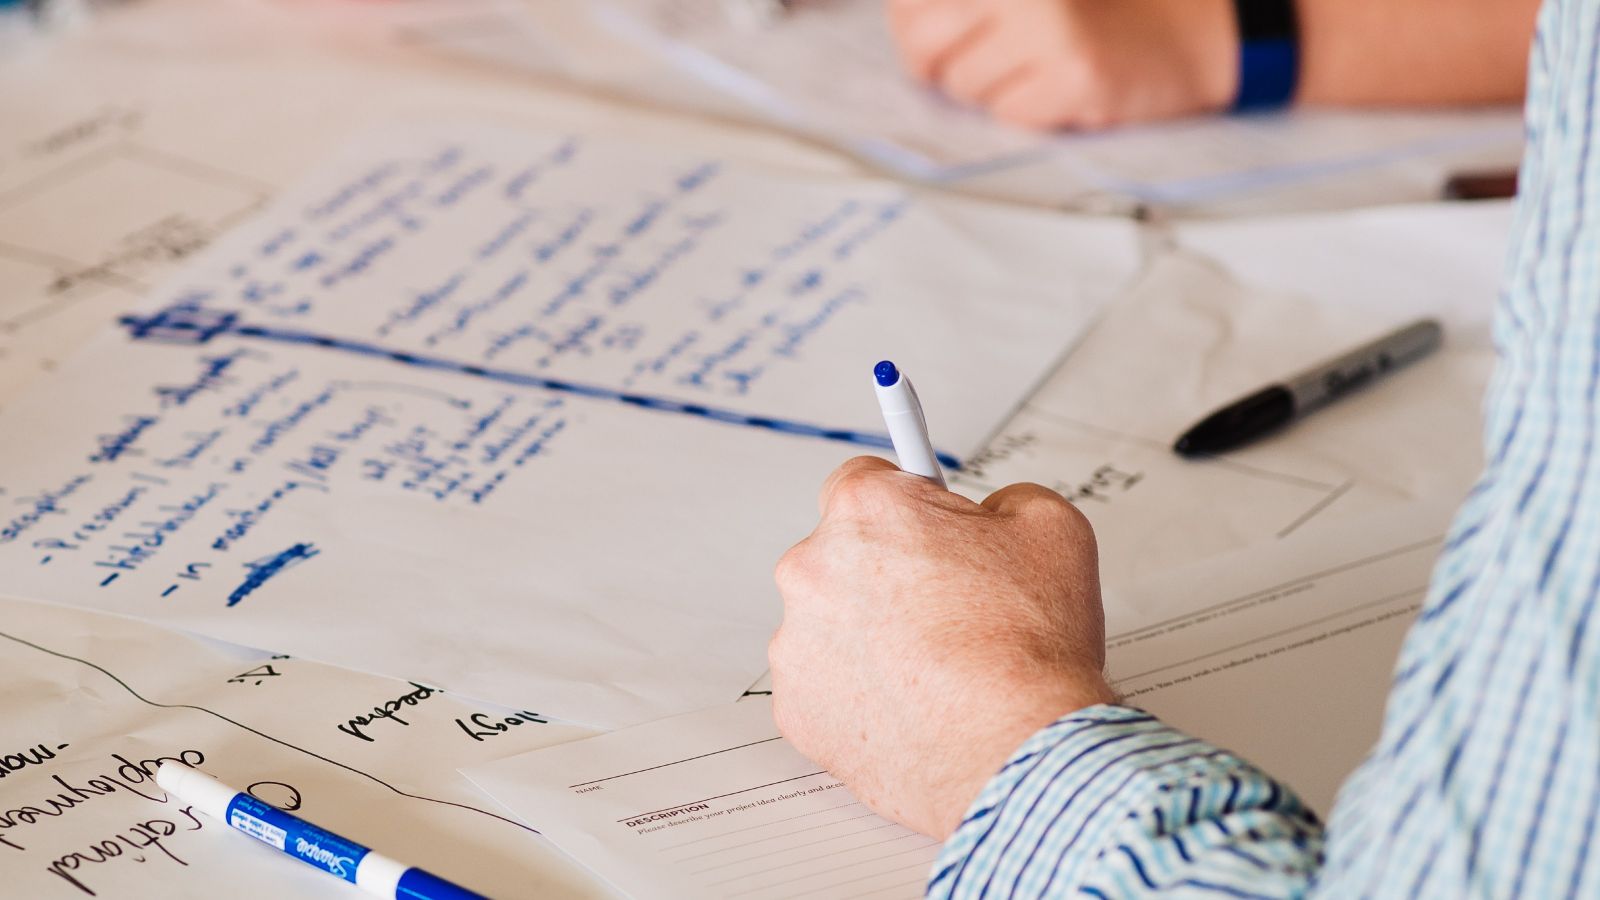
[1073, 790]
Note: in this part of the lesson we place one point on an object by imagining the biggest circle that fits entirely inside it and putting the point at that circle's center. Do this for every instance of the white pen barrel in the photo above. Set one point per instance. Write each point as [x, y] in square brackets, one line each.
[908, 431]
[207, 795]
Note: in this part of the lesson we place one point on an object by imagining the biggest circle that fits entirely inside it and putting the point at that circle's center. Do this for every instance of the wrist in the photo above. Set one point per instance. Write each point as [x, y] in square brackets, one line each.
[985, 743]
[1212, 30]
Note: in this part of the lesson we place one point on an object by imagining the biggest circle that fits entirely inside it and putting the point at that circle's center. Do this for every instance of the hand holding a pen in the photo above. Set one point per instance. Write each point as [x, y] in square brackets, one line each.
[919, 625]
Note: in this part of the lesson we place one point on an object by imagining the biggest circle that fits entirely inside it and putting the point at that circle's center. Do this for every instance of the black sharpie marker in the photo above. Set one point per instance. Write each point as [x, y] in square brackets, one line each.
[1271, 408]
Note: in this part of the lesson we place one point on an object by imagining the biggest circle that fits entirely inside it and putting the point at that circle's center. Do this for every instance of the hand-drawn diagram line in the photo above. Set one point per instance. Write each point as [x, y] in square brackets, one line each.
[107, 273]
[193, 325]
[261, 734]
[85, 290]
[128, 149]
[59, 175]
[202, 171]
[1316, 509]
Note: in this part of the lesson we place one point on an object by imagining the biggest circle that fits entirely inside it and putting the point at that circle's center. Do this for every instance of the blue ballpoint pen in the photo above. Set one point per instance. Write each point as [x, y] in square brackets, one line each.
[908, 428]
[372, 872]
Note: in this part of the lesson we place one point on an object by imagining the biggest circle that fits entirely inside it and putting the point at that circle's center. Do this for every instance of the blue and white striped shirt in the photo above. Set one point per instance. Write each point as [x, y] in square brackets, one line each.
[1486, 779]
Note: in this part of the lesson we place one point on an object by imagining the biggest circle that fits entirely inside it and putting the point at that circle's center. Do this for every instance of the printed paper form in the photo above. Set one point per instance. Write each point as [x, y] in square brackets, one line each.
[89, 698]
[1282, 654]
[401, 387]
[1236, 306]
[710, 804]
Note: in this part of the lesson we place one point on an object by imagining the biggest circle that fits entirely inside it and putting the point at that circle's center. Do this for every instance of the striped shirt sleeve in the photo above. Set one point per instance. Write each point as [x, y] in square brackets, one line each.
[1109, 802]
[1485, 781]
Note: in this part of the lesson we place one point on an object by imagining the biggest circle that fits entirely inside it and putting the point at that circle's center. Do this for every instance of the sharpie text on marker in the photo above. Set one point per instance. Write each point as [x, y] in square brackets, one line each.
[1275, 406]
[342, 858]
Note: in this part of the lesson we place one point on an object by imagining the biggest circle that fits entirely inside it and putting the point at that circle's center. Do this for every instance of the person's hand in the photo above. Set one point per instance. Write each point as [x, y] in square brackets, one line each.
[925, 637]
[1073, 63]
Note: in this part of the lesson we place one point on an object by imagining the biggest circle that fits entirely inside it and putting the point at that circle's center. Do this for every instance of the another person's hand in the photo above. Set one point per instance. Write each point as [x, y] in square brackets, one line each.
[925, 637]
[1073, 63]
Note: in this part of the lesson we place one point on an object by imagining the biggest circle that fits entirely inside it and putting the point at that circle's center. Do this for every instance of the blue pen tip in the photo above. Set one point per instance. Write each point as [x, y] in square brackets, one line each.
[886, 373]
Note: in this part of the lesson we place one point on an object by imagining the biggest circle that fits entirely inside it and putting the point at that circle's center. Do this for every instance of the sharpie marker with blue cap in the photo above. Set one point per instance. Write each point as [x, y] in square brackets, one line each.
[372, 872]
[908, 430]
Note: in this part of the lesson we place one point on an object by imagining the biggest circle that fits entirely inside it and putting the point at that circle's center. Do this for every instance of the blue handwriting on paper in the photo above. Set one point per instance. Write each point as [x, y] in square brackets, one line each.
[268, 567]
[456, 369]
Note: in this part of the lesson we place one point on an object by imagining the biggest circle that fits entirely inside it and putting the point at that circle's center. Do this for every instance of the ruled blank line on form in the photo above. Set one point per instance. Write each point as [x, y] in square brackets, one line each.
[852, 865]
[865, 815]
[797, 847]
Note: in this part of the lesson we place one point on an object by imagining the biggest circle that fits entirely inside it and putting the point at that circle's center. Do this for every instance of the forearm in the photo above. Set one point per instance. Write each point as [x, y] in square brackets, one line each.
[1110, 802]
[1400, 52]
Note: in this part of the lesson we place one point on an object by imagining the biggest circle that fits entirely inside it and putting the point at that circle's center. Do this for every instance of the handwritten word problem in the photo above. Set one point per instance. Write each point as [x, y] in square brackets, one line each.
[386, 711]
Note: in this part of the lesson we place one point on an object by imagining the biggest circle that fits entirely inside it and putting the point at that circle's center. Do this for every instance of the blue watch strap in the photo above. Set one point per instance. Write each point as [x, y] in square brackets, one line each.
[1269, 53]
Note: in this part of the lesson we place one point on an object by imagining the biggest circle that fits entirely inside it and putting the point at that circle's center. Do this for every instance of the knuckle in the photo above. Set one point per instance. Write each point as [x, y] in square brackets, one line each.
[792, 568]
[1047, 504]
[851, 483]
[1086, 68]
[1046, 512]
[1040, 500]
[1027, 500]
[1073, 527]
[856, 489]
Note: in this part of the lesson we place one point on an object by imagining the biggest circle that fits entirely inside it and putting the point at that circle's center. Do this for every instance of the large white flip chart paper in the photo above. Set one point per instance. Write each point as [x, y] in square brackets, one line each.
[1240, 651]
[94, 703]
[528, 418]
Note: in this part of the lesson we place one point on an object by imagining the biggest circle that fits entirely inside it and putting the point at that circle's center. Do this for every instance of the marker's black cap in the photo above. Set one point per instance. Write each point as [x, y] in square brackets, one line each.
[1238, 423]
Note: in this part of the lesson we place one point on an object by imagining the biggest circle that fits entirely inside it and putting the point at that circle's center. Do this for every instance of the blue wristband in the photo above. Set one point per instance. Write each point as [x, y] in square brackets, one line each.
[1269, 53]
